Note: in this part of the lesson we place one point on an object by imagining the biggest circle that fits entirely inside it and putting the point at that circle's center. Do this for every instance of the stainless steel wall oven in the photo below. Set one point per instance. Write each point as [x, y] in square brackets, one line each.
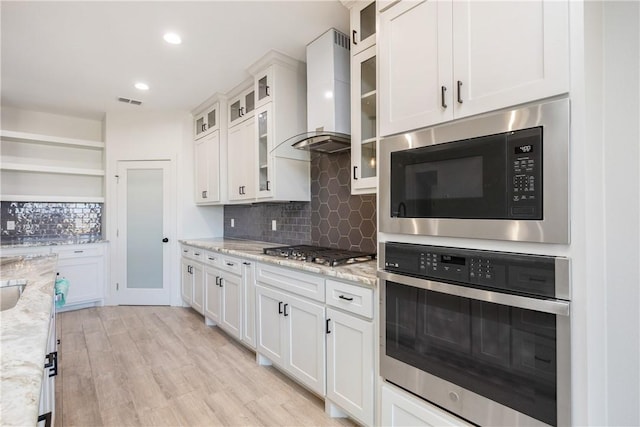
[482, 334]
[502, 176]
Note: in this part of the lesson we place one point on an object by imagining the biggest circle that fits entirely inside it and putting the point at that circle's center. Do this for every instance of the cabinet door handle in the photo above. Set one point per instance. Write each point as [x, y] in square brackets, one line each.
[204, 127]
[285, 310]
[355, 168]
[443, 89]
[241, 111]
[266, 91]
[52, 363]
[353, 37]
[204, 194]
[165, 240]
[328, 330]
[221, 283]
[268, 189]
[459, 94]
[346, 298]
[280, 307]
[46, 418]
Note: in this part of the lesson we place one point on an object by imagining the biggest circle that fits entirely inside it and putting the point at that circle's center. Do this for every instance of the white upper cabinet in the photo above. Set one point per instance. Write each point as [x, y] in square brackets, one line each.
[241, 154]
[441, 60]
[363, 26]
[210, 155]
[242, 103]
[207, 121]
[207, 165]
[282, 172]
[364, 130]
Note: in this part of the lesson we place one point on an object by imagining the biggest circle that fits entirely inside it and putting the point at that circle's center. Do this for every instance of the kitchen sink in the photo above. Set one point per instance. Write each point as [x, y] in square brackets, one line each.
[10, 292]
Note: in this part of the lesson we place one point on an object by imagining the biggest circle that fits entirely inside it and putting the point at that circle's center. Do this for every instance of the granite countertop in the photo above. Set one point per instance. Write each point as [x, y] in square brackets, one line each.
[363, 273]
[23, 337]
[28, 243]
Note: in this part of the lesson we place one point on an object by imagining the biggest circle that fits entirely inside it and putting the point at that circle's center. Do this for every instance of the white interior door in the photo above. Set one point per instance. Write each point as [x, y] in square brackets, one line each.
[144, 218]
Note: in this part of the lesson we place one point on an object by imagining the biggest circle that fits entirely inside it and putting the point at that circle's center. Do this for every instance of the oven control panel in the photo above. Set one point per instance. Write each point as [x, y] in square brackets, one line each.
[505, 271]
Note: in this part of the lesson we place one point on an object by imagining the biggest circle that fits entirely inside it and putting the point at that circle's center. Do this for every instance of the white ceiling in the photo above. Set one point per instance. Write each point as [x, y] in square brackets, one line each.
[76, 58]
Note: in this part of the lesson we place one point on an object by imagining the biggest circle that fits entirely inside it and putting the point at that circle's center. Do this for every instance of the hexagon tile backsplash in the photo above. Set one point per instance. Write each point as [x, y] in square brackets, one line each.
[334, 218]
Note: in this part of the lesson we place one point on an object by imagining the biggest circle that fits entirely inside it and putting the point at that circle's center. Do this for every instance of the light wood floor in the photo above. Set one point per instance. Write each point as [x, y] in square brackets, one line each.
[161, 366]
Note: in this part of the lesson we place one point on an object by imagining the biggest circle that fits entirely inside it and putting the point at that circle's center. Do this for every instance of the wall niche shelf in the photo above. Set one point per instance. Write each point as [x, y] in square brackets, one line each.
[48, 168]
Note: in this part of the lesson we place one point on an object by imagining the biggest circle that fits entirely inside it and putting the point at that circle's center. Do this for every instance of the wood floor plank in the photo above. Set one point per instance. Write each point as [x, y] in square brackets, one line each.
[162, 366]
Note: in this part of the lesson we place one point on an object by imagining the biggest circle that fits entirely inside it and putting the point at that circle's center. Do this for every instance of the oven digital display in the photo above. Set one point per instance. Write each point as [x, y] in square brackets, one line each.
[524, 149]
[450, 259]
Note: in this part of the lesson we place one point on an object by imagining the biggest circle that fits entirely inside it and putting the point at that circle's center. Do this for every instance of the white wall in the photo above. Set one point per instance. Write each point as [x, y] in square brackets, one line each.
[50, 124]
[166, 135]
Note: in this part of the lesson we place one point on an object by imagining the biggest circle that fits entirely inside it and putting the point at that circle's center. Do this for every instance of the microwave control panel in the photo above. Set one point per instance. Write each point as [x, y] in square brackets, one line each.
[524, 157]
[503, 271]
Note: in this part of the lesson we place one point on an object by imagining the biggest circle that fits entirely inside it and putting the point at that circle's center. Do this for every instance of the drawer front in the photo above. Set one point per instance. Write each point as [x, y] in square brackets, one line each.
[231, 264]
[303, 284]
[77, 251]
[213, 259]
[197, 254]
[354, 299]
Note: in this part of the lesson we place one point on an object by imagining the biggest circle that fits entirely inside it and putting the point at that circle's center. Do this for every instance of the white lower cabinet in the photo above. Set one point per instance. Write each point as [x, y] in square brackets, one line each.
[197, 271]
[399, 408]
[249, 304]
[223, 296]
[186, 283]
[83, 266]
[291, 335]
[350, 359]
[47, 406]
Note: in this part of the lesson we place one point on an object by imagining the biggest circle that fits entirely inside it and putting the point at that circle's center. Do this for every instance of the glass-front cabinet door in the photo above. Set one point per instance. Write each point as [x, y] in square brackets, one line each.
[242, 106]
[363, 26]
[264, 137]
[206, 122]
[264, 87]
[364, 134]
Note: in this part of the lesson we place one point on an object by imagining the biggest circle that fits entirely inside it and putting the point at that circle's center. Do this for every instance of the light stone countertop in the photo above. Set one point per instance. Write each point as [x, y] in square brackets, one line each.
[363, 273]
[23, 338]
[51, 242]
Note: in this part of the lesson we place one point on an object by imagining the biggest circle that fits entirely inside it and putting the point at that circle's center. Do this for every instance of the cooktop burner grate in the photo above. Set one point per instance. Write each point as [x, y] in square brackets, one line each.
[320, 255]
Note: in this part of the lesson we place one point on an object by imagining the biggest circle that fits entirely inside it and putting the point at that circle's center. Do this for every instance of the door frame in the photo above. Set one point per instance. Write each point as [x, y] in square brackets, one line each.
[119, 233]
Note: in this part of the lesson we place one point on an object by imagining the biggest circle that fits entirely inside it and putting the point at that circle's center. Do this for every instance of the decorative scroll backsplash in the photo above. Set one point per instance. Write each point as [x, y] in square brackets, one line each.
[40, 221]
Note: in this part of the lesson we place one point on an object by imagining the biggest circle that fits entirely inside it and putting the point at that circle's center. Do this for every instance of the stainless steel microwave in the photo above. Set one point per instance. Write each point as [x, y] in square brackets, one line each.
[502, 176]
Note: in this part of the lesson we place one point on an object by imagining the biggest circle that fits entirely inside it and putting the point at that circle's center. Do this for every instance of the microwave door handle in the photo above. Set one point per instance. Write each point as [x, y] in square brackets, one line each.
[558, 307]
[402, 210]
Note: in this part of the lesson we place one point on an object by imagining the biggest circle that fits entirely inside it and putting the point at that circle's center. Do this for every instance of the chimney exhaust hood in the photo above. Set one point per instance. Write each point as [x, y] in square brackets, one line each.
[328, 95]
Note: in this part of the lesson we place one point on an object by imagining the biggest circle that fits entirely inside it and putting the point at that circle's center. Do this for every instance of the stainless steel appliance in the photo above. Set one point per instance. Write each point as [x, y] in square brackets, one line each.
[331, 257]
[498, 176]
[482, 334]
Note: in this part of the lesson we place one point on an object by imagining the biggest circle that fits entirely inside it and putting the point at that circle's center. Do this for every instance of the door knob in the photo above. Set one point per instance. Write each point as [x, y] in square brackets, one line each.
[165, 240]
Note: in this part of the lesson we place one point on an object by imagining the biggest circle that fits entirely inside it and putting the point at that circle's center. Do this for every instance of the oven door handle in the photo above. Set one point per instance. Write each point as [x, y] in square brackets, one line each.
[552, 306]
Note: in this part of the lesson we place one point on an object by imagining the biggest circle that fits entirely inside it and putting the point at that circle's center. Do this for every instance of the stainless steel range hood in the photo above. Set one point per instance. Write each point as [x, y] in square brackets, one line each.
[321, 141]
[328, 95]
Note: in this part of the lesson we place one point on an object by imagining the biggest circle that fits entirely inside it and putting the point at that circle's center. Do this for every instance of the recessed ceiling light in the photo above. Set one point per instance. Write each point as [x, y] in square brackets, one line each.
[172, 38]
[142, 86]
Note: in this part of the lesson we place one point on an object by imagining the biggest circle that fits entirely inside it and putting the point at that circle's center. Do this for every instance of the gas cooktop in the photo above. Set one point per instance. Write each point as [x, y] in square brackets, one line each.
[320, 255]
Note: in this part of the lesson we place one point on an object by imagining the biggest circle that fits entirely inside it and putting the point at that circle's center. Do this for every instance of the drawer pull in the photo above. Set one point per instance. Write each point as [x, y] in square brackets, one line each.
[78, 252]
[346, 298]
[211, 258]
[230, 264]
[196, 253]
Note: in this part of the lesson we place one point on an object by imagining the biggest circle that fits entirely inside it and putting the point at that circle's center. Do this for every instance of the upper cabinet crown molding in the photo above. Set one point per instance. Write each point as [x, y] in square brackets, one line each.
[204, 105]
[274, 57]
